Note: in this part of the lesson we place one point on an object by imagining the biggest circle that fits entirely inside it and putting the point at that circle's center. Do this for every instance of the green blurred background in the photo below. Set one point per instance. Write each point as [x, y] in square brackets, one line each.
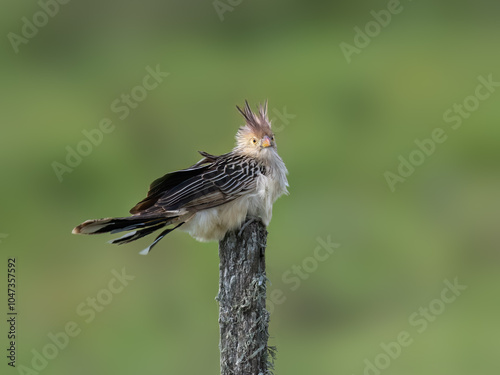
[347, 125]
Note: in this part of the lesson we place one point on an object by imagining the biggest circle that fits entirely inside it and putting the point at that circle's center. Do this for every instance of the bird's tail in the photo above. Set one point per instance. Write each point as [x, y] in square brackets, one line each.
[137, 226]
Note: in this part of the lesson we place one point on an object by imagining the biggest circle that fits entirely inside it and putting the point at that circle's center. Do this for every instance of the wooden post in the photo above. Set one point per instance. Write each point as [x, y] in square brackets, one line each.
[243, 318]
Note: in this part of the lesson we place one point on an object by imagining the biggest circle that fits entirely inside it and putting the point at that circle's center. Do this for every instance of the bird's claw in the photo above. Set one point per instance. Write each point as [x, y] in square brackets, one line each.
[245, 225]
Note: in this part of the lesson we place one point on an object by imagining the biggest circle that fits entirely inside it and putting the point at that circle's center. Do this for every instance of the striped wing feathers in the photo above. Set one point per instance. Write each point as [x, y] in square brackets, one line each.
[211, 182]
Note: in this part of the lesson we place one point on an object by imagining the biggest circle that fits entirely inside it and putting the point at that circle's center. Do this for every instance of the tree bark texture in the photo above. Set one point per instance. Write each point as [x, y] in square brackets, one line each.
[243, 318]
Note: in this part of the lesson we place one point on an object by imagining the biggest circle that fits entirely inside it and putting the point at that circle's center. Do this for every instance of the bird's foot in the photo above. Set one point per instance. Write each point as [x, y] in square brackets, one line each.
[246, 224]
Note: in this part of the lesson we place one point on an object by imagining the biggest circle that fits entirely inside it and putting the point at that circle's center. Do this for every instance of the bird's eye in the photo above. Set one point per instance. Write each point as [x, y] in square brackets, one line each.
[254, 140]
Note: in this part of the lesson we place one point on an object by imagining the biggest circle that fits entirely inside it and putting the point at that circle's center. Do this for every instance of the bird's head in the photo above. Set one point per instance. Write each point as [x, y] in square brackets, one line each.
[255, 138]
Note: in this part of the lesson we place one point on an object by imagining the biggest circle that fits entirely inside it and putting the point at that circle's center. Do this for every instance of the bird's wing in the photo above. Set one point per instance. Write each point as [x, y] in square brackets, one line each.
[162, 185]
[222, 180]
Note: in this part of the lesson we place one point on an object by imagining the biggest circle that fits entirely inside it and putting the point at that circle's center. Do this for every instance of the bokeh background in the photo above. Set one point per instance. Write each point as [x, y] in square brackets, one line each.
[347, 125]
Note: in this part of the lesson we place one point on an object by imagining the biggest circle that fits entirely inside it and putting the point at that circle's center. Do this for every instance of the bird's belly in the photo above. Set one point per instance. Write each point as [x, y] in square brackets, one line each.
[213, 223]
[261, 203]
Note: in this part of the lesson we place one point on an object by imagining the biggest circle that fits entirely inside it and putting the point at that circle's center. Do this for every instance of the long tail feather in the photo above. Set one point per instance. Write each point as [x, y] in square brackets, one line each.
[137, 226]
[162, 234]
[135, 235]
[119, 224]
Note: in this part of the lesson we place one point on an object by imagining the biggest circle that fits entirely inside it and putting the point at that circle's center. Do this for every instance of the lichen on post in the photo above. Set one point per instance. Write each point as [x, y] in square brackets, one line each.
[243, 318]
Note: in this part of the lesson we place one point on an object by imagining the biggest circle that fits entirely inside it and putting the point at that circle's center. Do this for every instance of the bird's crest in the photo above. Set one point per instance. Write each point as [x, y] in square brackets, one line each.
[257, 123]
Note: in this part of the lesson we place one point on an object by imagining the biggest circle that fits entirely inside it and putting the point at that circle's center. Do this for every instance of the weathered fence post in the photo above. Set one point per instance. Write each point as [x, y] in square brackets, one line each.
[243, 318]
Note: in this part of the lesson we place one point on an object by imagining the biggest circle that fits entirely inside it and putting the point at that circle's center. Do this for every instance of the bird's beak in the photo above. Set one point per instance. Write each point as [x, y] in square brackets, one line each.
[266, 142]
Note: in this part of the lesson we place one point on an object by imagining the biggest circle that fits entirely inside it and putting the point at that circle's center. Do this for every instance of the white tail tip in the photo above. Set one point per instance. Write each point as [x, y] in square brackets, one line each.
[145, 251]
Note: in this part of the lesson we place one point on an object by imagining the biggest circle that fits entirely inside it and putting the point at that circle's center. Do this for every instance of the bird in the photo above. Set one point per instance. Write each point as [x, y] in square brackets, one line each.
[214, 196]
